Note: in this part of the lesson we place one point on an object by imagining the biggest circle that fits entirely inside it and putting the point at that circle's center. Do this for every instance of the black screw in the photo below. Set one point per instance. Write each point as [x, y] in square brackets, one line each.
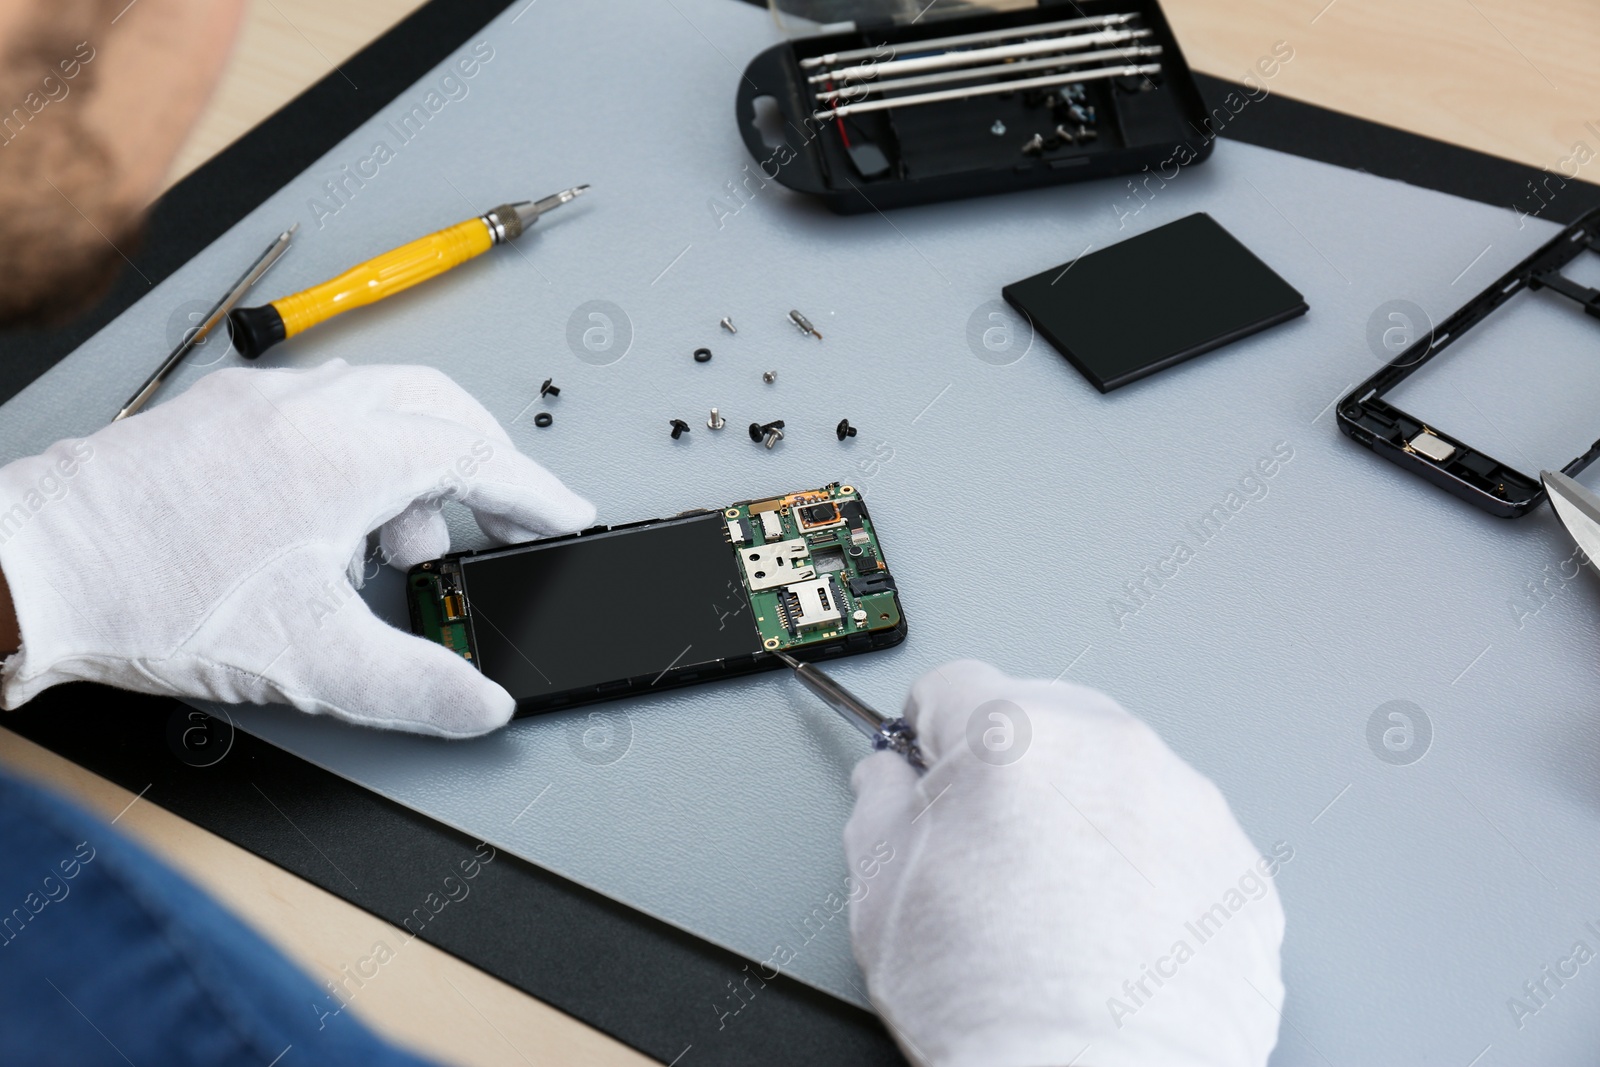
[844, 429]
[767, 433]
[549, 389]
[759, 430]
[702, 355]
[679, 428]
[543, 419]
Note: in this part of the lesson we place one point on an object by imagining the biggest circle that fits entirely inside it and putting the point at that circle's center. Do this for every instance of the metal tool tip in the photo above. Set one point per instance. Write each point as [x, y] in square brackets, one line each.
[1557, 483]
[293, 228]
[787, 659]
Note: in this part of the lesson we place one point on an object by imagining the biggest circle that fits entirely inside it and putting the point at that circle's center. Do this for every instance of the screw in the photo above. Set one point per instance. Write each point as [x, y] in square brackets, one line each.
[543, 419]
[998, 129]
[548, 389]
[702, 355]
[1034, 146]
[844, 429]
[679, 428]
[803, 324]
[756, 432]
[716, 421]
[1065, 135]
[759, 430]
[727, 324]
[769, 376]
[774, 434]
[1086, 134]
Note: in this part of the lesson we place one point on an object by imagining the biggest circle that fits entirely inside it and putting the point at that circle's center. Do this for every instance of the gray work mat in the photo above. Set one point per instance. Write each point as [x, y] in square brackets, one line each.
[1023, 513]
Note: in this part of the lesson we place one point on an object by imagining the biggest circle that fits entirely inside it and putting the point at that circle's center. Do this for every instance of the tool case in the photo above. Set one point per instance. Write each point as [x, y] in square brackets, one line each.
[946, 123]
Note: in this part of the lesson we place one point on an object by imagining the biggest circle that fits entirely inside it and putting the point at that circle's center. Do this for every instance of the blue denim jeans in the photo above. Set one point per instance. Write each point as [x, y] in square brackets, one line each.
[109, 957]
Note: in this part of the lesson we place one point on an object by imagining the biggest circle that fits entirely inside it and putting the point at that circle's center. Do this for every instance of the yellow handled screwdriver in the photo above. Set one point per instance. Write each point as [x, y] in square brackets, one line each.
[259, 328]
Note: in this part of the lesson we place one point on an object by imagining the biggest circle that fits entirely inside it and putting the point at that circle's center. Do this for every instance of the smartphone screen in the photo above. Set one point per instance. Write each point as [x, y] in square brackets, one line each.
[625, 604]
[662, 603]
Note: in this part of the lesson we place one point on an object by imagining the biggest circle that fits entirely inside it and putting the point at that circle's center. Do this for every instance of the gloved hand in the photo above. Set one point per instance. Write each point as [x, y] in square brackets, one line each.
[1079, 896]
[211, 546]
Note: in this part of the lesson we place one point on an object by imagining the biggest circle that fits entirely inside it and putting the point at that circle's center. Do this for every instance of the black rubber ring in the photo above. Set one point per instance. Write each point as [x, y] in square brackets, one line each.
[702, 355]
[543, 419]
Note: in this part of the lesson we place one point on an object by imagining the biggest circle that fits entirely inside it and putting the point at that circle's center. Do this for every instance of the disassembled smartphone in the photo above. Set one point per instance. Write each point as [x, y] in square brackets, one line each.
[1442, 459]
[651, 605]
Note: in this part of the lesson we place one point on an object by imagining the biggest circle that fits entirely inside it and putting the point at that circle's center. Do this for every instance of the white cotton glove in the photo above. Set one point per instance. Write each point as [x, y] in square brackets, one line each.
[210, 547]
[1032, 911]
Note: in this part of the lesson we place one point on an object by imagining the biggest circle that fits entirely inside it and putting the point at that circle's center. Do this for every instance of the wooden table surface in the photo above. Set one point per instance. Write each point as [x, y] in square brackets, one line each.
[1513, 79]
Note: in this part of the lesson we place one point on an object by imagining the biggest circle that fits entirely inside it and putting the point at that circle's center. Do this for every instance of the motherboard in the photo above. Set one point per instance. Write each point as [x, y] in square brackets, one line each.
[812, 567]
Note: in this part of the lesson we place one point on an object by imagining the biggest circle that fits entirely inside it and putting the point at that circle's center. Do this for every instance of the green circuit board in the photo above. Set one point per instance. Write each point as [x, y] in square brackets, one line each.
[812, 567]
[438, 610]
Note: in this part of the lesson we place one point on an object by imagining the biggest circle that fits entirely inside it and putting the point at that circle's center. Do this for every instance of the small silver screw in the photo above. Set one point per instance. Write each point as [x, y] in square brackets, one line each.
[998, 129]
[803, 324]
[774, 435]
[716, 421]
[769, 376]
[727, 324]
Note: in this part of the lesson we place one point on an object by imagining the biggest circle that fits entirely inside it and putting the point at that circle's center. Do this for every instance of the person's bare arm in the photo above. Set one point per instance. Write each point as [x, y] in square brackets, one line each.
[10, 634]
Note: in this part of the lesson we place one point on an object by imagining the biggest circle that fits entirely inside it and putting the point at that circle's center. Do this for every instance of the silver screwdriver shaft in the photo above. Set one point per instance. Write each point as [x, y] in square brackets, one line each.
[894, 734]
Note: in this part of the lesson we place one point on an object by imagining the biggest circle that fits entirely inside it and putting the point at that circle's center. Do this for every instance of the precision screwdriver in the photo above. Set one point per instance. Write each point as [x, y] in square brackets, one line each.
[219, 311]
[257, 329]
[894, 734]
